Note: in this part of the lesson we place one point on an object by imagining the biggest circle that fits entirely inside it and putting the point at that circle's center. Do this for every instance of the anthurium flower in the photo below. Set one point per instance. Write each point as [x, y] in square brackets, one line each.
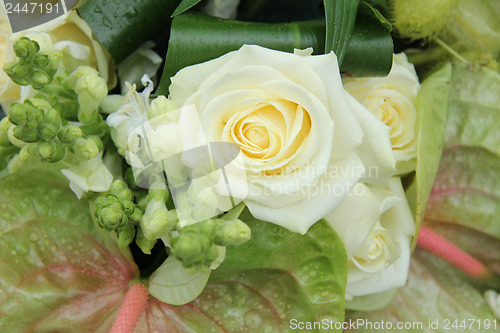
[305, 141]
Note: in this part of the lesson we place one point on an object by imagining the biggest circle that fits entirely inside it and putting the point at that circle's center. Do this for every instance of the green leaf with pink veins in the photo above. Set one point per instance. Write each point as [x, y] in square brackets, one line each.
[58, 269]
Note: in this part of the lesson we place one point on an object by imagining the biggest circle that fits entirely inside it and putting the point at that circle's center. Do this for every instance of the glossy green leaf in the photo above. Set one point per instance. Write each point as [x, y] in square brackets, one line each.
[184, 6]
[435, 292]
[432, 106]
[366, 9]
[467, 187]
[370, 49]
[299, 276]
[124, 25]
[197, 38]
[173, 284]
[58, 270]
[340, 17]
[276, 276]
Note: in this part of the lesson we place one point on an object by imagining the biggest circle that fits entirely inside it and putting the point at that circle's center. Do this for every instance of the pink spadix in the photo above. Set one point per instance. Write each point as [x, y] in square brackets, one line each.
[131, 309]
[444, 249]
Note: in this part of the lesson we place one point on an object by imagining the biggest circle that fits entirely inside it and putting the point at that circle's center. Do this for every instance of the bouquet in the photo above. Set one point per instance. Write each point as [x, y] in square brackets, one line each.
[249, 166]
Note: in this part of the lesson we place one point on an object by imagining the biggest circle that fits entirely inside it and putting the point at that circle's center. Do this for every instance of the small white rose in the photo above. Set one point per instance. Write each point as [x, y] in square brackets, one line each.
[304, 141]
[393, 99]
[376, 227]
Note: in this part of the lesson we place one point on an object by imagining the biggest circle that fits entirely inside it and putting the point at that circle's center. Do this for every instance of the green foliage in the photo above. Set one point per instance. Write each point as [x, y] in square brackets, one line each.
[124, 25]
[56, 264]
[466, 189]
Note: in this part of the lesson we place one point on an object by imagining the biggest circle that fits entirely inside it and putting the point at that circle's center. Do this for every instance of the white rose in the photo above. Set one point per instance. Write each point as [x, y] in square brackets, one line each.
[376, 227]
[304, 141]
[68, 34]
[392, 99]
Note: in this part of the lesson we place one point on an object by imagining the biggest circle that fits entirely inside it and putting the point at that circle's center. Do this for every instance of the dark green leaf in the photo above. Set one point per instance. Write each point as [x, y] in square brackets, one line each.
[366, 9]
[340, 18]
[370, 49]
[197, 38]
[124, 25]
[184, 6]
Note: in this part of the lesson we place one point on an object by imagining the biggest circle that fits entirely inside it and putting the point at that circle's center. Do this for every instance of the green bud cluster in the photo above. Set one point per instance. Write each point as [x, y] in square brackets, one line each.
[33, 68]
[115, 209]
[197, 245]
[35, 121]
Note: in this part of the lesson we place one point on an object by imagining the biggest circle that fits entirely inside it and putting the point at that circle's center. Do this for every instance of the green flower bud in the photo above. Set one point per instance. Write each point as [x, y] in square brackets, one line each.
[41, 61]
[232, 233]
[39, 79]
[25, 134]
[91, 90]
[85, 149]
[70, 81]
[53, 64]
[69, 134]
[187, 248]
[47, 149]
[118, 185]
[18, 71]
[51, 99]
[125, 195]
[47, 131]
[29, 153]
[207, 227]
[26, 49]
[143, 243]
[51, 116]
[136, 215]
[157, 224]
[18, 114]
[212, 253]
[159, 192]
[128, 207]
[159, 106]
[41, 104]
[125, 237]
[112, 217]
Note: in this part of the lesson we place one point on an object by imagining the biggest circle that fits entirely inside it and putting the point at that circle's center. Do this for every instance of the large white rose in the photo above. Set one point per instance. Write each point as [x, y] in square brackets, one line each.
[393, 99]
[376, 226]
[305, 142]
[68, 34]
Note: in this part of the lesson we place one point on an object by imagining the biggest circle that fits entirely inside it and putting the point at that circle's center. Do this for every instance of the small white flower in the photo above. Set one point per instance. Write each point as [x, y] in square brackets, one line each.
[91, 175]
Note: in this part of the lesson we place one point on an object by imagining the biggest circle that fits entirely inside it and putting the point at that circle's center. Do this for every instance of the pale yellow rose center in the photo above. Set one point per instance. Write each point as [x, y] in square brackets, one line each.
[397, 112]
[270, 132]
[374, 254]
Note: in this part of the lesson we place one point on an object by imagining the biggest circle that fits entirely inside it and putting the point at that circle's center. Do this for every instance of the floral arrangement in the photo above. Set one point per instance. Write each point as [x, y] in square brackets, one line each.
[251, 166]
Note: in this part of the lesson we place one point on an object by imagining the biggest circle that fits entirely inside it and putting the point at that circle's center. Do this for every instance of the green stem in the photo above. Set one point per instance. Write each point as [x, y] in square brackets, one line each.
[451, 51]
